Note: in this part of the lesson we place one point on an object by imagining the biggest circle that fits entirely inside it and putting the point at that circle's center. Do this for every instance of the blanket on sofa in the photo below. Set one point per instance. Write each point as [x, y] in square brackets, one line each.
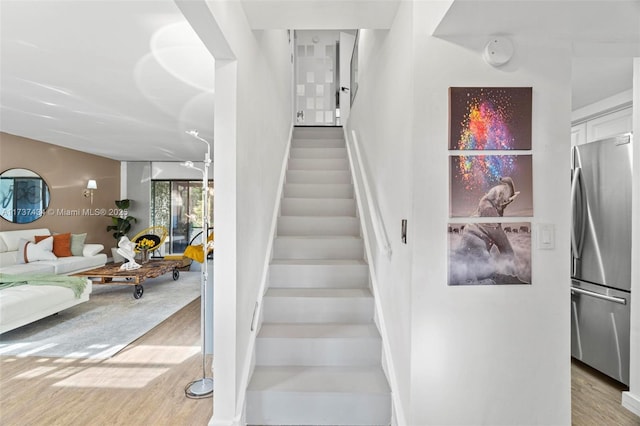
[76, 284]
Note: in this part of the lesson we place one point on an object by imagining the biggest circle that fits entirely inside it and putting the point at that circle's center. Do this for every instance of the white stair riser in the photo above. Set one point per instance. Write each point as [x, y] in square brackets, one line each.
[318, 207]
[315, 133]
[318, 164]
[318, 248]
[319, 176]
[318, 153]
[306, 225]
[318, 351]
[318, 276]
[318, 408]
[317, 143]
[307, 190]
[318, 309]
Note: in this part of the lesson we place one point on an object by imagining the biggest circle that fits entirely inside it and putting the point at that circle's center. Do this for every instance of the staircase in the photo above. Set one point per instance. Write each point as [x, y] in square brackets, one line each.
[318, 352]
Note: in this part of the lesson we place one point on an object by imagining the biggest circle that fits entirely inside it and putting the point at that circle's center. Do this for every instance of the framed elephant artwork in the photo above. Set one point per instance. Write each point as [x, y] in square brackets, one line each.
[490, 186]
[489, 253]
[490, 118]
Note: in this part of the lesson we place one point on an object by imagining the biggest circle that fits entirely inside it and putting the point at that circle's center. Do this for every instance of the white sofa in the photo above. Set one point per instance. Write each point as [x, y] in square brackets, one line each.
[24, 304]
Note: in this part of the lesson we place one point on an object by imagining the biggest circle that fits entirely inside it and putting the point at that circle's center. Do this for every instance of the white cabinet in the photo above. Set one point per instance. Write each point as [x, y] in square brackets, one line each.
[579, 134]
[610, 125]
[602, 127]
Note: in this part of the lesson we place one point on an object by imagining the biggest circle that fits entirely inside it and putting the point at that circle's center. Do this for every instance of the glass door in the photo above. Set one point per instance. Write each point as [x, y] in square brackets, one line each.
[315, 77]
[177, 205]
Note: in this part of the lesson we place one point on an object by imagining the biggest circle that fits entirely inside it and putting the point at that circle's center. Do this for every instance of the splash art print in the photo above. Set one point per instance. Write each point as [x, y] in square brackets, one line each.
[495, 118]
[489, 253]
[491, 186]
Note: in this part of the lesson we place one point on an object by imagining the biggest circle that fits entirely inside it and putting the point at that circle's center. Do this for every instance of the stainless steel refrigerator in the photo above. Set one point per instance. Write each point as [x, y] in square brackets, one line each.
[601, 255]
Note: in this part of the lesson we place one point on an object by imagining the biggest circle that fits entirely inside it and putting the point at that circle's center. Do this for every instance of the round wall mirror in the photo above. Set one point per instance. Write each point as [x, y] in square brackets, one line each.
[24, 196]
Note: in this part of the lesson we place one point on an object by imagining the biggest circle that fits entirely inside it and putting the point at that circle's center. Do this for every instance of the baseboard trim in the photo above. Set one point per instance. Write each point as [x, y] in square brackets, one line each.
[631, 402]
[225, 422]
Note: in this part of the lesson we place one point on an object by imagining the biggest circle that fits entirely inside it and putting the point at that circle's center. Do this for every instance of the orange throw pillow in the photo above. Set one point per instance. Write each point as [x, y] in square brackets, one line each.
[61, 244]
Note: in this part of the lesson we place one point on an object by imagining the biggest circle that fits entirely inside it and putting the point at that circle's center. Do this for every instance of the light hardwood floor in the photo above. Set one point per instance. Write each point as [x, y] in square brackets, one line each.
[142, 385]
[595, 399]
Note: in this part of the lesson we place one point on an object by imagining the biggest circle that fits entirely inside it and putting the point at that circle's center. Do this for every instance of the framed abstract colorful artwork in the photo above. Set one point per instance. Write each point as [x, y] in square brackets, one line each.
[490, 118]
[490, 186]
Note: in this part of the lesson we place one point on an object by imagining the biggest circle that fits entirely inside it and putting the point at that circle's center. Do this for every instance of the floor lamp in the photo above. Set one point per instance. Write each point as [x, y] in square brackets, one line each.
[202, 387]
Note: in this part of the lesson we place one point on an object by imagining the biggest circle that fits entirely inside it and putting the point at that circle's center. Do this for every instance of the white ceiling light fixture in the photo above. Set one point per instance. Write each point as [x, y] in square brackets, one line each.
[498, 51]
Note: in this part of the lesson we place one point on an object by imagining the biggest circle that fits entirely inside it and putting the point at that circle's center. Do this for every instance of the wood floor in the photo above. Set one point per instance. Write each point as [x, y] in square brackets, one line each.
[595, 399]
[142, 385]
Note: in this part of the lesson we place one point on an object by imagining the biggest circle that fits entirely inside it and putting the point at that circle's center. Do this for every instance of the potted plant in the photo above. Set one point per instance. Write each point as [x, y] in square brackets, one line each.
[121, 224]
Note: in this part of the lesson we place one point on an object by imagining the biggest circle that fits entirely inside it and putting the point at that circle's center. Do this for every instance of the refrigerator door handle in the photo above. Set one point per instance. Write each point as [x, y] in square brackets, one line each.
[613, 299]
[576, 240]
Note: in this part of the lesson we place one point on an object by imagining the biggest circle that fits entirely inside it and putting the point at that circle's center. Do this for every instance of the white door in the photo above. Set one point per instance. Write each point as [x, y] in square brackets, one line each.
[347, 41]
[315, 75]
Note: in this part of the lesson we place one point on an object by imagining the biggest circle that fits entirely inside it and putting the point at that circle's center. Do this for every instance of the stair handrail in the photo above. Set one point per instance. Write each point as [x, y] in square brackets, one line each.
[378, 225]
[382, 241]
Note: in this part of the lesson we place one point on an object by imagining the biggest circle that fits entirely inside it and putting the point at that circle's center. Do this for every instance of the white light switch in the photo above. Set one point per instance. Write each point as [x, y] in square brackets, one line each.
[546, 236]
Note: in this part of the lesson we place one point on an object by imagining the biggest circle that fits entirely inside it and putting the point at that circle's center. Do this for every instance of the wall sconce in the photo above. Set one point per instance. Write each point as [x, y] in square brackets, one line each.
[91, 186]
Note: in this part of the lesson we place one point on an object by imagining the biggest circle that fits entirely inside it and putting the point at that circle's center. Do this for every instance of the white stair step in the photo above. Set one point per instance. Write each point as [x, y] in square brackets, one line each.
[317, 305]
[319, 176]
[318, 274]
[318, 153]
[318, 143]
[318, 132]
[318, 247]
[308, 190]
[318, 396]
[318, 207]
[318, 225]
[318, 344]
[318, 164]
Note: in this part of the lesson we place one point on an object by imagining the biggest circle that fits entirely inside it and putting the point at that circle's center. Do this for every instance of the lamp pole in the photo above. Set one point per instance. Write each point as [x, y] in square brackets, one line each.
[204, 386]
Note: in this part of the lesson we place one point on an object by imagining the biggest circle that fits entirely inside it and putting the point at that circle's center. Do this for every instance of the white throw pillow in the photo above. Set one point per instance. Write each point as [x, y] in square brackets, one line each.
[92, 249]
[31, 252]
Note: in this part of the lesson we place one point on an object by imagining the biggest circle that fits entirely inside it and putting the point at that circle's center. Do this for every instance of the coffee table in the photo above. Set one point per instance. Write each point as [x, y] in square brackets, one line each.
[111, 274]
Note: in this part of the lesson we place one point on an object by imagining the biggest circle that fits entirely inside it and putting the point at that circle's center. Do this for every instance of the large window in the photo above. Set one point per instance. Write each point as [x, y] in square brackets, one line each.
[177, 205]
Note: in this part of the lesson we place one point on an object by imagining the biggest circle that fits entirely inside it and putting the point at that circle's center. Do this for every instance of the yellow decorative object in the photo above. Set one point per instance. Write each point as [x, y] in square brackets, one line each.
[145, 244]
[152, 237]
[196, 252]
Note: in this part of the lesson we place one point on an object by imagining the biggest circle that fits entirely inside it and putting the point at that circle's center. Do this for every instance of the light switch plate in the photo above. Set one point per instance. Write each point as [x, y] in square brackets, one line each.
[546, 236]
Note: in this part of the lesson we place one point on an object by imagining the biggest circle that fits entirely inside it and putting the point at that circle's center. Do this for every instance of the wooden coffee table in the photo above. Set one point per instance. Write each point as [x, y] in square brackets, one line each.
[111, 274]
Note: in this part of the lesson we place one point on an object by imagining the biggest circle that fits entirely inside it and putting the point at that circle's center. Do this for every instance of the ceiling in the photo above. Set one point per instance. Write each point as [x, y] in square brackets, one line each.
[126, 79]
[604, 34]
[320, 14]
[120, 79]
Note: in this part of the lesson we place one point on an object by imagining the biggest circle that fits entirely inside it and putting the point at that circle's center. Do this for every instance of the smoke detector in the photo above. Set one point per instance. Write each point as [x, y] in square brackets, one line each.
[498, 51]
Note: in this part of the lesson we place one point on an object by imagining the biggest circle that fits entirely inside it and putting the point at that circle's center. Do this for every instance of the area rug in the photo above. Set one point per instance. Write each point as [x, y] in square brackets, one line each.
[107, 323]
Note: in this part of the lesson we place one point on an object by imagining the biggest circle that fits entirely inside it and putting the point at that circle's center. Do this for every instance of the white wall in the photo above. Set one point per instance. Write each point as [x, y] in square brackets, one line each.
[500, 352]
[631, 399]
[253, 121]
[477, 355]
[381, 118]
